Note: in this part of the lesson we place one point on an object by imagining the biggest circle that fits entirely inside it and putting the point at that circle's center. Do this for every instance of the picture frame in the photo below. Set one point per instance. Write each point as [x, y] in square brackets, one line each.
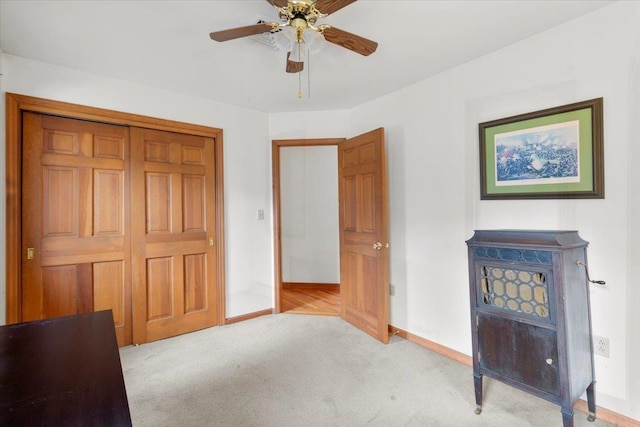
[556, 153]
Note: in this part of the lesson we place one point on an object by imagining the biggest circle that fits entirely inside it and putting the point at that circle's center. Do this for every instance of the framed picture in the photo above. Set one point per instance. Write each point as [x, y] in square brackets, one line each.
[549, 154]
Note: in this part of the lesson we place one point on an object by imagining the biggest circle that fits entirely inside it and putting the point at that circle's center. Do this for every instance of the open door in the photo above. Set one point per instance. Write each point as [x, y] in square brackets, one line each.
[364, 253]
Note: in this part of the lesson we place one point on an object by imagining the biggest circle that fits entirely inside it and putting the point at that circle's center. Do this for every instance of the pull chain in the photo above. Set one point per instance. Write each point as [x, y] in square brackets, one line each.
[308, 74]
[299, 74]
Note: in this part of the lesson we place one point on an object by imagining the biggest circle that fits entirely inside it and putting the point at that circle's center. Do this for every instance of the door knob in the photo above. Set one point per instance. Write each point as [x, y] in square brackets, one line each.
[377, 245]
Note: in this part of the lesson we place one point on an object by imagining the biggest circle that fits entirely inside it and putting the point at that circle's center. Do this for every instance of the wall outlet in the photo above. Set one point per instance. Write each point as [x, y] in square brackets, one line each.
[260, 214]
[392, 290]
[601, 346]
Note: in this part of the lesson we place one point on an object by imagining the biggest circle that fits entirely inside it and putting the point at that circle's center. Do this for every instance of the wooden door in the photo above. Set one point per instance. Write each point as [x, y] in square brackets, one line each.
[75, 220]
[364, 253]
[174, 241]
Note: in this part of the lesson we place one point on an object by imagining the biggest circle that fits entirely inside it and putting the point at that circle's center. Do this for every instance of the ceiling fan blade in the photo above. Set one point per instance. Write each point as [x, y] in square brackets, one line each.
[327, 7]
[278, 3]
[350, 41]
[293, 66]
[236, 33]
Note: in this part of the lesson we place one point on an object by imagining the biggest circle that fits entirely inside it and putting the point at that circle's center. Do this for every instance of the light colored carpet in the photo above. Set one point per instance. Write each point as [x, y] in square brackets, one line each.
[297, 370]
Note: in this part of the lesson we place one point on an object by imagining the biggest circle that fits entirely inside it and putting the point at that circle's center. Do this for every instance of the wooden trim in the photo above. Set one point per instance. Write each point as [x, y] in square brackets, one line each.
[311, 286]
[604, 414]
[581, 405]
[438, 348]
[15, 106]
[306, 142]
[220, 236]
[65, 109]
[248, 316]
[276, 144]
[277, 230]
[14, 209]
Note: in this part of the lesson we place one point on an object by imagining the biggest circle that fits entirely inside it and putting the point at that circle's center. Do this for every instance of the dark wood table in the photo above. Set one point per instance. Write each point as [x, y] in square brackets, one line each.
[62, 371]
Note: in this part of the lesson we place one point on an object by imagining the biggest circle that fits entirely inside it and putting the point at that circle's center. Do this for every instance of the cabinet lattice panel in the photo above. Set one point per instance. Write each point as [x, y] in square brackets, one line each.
[521, 291]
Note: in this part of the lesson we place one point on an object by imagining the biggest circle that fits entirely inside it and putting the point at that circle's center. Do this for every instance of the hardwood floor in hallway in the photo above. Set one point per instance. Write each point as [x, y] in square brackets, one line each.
[323, 300]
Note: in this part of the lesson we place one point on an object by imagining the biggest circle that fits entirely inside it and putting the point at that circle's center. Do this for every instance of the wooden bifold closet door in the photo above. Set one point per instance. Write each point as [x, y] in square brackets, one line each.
[174, 240]
[75, 220]
[121, 218]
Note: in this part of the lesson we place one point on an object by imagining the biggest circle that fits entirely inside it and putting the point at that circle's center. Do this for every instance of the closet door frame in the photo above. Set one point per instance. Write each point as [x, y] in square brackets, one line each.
[17, 104]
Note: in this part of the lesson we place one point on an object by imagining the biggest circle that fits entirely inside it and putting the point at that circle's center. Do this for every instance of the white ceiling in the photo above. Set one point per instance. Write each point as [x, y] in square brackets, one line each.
[166, 44]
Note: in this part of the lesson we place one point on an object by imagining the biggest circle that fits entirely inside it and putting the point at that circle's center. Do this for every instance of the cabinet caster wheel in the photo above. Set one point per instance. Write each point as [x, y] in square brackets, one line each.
[478, 411]
[591, 418]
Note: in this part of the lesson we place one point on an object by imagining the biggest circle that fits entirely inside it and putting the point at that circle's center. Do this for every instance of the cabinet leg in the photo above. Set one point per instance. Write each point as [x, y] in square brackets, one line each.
[477, 382]
[591, 401]
[567, 417]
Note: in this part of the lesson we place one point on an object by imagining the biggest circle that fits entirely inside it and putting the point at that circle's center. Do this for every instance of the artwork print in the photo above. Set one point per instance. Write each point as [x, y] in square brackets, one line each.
[548, 154]
[545, 154]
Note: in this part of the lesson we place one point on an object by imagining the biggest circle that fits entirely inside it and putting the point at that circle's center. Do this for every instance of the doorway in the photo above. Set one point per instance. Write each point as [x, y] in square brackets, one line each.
[306, 223]
[363, 225]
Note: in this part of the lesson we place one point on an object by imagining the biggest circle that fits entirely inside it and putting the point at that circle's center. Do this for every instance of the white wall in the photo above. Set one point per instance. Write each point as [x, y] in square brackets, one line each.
[633, 230]
[318, 124]
[434, 196]
[309, 214]
[246, 162]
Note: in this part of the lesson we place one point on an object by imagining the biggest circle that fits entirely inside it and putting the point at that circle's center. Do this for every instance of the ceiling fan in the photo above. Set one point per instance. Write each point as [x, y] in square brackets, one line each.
[301, 16]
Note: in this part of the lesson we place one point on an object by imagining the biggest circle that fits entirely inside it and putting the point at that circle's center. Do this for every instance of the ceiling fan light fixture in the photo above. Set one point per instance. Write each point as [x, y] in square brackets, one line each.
[309, 40]
[313, 39]
[283, 41]
[299, 52]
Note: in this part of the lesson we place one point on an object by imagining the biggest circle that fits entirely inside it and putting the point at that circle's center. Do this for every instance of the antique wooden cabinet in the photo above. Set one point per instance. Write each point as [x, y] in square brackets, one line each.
[530, 315]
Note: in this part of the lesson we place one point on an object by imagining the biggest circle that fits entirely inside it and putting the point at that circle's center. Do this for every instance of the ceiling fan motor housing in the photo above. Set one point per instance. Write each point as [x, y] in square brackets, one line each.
[304, 10]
